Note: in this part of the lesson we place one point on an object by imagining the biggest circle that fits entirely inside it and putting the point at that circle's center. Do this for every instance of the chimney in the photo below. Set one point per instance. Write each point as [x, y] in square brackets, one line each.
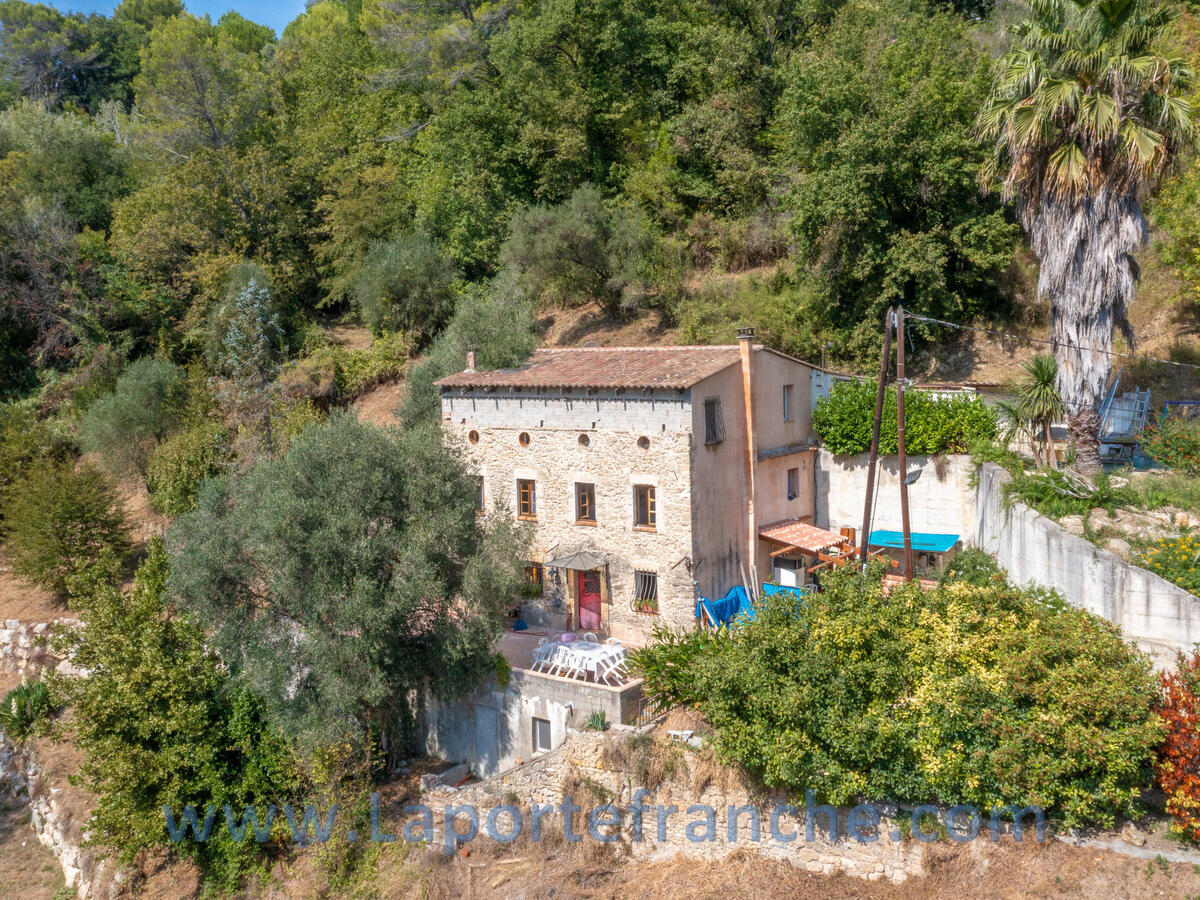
[750, 464]
[470, 361]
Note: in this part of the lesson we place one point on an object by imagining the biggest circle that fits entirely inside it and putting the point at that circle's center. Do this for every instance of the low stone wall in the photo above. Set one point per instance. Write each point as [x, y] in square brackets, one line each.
[23, 648]
[584, 766]
[1160, 616]
[83, 869]
[941, 500]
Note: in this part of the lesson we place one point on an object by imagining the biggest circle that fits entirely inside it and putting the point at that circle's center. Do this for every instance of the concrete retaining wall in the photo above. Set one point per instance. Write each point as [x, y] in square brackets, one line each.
[1158, 615]
[942, 500]
[492, 728]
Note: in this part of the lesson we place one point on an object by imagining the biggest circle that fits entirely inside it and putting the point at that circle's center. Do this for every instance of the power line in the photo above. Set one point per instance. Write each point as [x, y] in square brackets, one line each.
[1019, 337]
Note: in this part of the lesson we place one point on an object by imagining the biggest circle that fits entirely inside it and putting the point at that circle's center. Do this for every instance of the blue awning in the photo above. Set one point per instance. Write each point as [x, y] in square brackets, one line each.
[929, 542]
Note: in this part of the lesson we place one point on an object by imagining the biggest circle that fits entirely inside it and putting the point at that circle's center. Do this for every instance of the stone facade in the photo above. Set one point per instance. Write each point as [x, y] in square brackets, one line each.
[614, 462]
[619, 418]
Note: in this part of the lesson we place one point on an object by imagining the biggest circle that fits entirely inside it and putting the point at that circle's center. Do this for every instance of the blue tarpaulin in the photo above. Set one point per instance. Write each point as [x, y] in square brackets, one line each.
[735, 605]
[929, 542]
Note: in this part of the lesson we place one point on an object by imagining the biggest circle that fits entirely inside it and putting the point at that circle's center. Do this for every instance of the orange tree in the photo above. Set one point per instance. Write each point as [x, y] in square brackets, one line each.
[1179, 753]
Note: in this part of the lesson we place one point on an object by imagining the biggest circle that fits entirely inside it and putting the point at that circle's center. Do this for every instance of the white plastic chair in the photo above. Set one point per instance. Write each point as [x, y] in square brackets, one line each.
[590, 636]
[612, 666]
[539, 654]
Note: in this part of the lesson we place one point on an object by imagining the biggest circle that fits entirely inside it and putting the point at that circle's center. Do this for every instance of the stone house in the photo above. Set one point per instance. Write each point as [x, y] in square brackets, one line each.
[649, 473]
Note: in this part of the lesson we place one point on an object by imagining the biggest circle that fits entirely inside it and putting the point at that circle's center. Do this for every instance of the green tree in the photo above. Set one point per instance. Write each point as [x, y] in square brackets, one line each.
[1084, 117]
[159, 725]
[60, 519]
[406, 284]
[343, 579]
[873, 142]
[123, 428]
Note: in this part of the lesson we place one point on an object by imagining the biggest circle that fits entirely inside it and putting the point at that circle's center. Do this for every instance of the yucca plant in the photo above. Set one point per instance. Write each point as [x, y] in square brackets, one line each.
[24, 709]
[1085, 115]
[1039, 400]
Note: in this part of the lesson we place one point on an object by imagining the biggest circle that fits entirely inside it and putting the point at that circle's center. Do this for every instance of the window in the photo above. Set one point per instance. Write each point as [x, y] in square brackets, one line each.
[793, 483]
[523, 438]
[473, 436]
[541, 736]
[480, 509]
[645, 592]
[787, 403]
[526, 498]
[585, 503]
[714, 428]
[644, 515]
[535, 580]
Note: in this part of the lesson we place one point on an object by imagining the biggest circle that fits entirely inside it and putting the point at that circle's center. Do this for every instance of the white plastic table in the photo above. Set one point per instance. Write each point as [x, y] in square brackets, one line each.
[592, 654]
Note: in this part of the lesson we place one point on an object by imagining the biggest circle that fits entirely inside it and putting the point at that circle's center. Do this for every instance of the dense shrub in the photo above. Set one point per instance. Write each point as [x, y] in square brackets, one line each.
[1063, 492]
[843, 420]
[181, 462]
[160, 726]
[24, 440]
[329, 373]
[1175, 559]
[973, 566]
[1179, 754]
[1175, 444]
[406, 284]
[961, 694]
[61, 519]
[123, 427]
[25, 710]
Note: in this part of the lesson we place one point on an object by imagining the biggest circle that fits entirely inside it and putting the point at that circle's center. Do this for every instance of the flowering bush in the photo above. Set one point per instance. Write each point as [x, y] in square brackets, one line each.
[1177, 560]
[1174, 443]
[1179, 754]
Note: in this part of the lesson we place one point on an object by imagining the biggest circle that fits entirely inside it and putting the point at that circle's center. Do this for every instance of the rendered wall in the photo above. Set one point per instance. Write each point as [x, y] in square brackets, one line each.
[942, 500]
[1158, 615]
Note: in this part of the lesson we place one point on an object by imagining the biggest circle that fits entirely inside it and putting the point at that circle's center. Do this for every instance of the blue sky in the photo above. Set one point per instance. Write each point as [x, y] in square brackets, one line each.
[274, 15]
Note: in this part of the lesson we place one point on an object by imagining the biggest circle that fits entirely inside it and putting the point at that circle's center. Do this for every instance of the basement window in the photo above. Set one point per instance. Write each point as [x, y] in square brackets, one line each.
[645, 592]
[541, 736]
[714, 427]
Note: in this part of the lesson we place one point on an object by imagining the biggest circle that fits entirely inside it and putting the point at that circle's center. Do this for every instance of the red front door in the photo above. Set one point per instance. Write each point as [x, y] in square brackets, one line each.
[589, 600]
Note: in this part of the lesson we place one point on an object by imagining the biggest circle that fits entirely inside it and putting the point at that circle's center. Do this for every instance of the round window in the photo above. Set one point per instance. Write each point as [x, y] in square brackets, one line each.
[473, 436]
[584, 440]
[644, 443]
[524, 438]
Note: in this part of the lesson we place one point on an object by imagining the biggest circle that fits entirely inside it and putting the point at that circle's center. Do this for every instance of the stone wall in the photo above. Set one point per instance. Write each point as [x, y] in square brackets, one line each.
[942, 500]
[23, 648]
[613, 461]
[1158, 615]
[83, 869]
[586, 768]
[492, 728]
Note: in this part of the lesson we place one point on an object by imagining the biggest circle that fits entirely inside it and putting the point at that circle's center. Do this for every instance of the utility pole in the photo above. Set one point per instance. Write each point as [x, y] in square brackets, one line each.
[908, 558]
[883, 368]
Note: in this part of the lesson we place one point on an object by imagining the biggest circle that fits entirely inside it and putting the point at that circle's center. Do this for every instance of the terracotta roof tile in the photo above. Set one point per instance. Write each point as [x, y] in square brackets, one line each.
[795, 533]
[606, 367]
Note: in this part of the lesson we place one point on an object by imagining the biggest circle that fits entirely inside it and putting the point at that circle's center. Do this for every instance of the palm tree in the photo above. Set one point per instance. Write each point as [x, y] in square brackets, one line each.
[1039, 400]
[1085, 115]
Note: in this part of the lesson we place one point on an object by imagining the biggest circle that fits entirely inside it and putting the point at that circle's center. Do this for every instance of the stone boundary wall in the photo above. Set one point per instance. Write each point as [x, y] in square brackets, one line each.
[584, 761]
[83, 868]
[23, 648]
[1158, 615]
[942, 500]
